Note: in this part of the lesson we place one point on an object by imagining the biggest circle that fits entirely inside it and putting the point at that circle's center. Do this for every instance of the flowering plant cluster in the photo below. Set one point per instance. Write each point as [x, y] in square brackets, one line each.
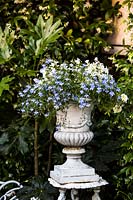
[75, 81]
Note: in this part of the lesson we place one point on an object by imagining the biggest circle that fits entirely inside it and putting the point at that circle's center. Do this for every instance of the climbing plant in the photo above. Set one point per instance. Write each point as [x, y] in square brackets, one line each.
[124, 66]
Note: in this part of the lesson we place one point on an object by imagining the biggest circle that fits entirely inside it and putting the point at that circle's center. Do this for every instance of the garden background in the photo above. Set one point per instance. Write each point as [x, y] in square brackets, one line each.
[30, 32]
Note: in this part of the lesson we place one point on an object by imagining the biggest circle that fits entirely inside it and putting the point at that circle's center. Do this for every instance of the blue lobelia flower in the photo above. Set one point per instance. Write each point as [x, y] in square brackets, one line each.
[111, 93]
[43, 69]
[92, 86]
[99, 89]
[48, 61]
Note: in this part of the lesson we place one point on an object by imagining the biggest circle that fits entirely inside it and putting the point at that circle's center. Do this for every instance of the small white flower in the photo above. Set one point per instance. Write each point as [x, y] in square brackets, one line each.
[107, 49]
[77, 61]
[124, 98]
[98, 30]
[117, 109]
[33, 198]
[42, 8]
[87, 4]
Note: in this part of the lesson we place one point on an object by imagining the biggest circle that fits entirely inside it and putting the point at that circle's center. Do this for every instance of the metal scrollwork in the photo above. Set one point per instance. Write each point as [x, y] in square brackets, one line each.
[74, 194]
[11, 193]
[62, 195]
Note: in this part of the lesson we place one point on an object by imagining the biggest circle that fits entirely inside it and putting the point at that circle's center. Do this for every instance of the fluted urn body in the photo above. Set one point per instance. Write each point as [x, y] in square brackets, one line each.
[73, 125]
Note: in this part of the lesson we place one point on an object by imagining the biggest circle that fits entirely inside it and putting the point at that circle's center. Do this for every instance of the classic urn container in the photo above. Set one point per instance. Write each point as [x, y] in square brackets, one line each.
[74, 132]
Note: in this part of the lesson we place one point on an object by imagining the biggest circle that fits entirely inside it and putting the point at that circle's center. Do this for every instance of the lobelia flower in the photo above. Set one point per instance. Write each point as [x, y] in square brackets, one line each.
[34, 198]
[78, 81]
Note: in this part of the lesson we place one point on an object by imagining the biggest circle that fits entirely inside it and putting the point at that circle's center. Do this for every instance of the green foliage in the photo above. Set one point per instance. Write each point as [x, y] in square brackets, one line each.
[15, 143]
[6, 40]
[22, 52]
[125, 68]
[19, 140]
[5, 83]
[37, 37]
[37, 187]
[124, 121]
[103, 151]
[86, 26]
[30, 32]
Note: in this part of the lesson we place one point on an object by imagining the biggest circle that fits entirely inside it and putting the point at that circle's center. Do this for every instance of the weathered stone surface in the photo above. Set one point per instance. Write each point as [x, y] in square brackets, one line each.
[69, 185]
[74, 132]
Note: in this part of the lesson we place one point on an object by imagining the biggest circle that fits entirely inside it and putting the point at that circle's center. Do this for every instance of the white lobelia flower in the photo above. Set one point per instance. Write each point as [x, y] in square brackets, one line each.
[33, 198]
[77, 61]
[124, 98]
[117, 109]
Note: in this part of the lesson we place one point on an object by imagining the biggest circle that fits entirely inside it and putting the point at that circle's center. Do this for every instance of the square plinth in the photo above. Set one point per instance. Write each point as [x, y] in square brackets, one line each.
[64, 175]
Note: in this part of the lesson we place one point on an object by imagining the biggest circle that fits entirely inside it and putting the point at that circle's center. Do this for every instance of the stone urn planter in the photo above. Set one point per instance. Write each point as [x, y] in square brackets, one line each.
[74, 132]
[73, 126]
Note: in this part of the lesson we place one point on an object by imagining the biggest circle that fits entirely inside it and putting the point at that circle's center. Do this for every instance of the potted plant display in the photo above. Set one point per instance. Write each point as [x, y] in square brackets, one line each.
[70, 90]
[75, 82]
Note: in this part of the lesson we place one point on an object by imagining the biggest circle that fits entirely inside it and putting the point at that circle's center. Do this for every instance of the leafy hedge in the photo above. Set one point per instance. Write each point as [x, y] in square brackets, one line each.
[30, 32]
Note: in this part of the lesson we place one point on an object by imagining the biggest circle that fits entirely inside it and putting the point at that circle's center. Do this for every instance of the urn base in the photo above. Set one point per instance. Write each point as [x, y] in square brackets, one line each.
[74, 170]
[67, 178]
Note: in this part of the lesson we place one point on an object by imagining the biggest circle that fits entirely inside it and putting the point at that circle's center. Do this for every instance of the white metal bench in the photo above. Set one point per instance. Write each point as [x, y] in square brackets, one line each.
[9, 194]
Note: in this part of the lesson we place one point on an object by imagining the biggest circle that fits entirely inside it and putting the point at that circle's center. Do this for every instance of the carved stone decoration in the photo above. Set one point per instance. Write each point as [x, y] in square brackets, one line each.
[73, 126]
